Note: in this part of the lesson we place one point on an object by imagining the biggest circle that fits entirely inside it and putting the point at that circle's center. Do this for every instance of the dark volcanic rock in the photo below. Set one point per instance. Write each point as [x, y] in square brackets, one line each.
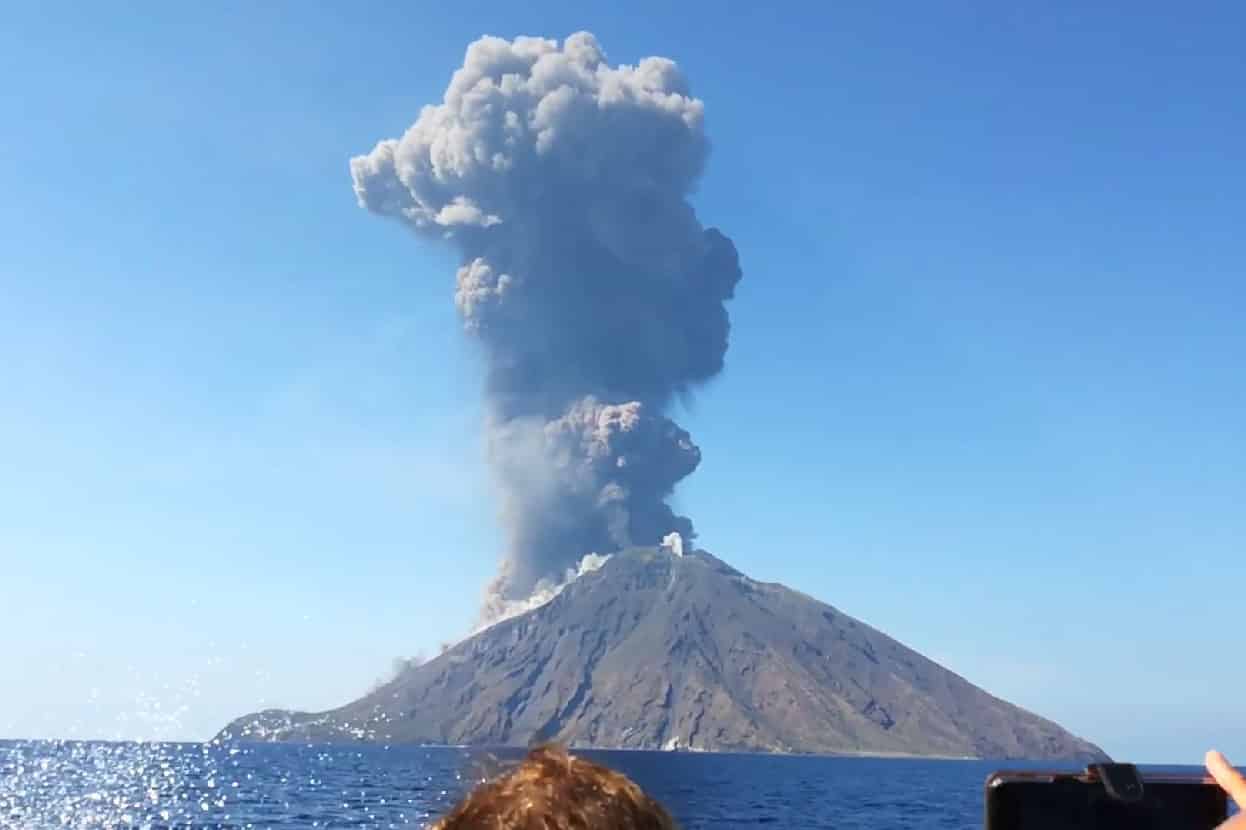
[659, 651]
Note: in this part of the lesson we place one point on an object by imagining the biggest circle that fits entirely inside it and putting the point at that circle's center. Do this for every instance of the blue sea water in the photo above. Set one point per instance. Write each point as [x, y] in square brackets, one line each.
[127, 785]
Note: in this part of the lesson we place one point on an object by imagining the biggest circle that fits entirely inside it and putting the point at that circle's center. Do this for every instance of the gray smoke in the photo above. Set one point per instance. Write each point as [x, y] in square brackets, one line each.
[594, 290]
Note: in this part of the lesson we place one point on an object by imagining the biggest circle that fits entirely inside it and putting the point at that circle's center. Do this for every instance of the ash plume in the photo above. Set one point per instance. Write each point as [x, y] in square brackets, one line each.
[596, 294]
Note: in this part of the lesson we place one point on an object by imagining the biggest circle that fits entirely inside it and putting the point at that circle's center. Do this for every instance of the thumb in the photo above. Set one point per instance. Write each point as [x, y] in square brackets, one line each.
[1229, 779]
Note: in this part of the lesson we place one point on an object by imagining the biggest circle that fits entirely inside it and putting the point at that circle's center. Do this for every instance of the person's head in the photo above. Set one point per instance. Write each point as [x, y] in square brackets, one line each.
[552, 790]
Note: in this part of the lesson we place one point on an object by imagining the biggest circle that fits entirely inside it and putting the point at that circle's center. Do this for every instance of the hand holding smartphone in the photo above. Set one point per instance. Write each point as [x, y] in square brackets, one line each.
[1233, 783]
[1108, 797]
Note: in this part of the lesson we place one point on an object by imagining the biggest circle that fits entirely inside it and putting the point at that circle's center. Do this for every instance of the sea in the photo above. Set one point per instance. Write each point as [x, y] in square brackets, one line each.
[47, 784]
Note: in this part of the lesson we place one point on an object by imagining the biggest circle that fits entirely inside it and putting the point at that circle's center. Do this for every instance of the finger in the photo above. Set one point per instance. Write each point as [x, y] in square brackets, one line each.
[1229, 779]
[1237, 822]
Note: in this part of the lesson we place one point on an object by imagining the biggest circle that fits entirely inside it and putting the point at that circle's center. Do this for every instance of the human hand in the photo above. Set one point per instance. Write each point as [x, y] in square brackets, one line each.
[1233, 783]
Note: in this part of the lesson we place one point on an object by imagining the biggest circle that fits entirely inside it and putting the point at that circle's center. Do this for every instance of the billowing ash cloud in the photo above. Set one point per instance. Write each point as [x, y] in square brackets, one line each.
[498, 608]
[588, 280]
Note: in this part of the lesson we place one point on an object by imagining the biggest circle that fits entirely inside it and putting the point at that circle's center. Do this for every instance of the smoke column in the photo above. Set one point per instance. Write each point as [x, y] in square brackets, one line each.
[594, 291]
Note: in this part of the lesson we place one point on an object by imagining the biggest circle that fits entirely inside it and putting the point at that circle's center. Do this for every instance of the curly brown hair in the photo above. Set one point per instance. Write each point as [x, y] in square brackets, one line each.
[552, 790]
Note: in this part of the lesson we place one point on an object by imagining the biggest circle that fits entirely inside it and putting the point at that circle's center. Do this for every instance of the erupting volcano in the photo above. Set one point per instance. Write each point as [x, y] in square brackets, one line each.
[590, 284]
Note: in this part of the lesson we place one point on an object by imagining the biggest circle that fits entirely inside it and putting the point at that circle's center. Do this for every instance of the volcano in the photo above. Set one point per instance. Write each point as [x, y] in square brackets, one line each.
[657, 650]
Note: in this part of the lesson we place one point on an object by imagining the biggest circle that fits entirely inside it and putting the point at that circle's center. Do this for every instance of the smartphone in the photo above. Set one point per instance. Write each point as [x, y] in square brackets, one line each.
[1112, 798]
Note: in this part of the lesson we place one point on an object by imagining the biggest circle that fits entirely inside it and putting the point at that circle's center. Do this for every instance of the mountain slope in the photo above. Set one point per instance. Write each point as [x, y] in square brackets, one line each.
[656, 650]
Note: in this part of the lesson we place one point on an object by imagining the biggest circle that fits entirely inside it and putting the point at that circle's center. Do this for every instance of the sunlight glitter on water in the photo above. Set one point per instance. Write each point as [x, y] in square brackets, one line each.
[92, 786]
[85, 786]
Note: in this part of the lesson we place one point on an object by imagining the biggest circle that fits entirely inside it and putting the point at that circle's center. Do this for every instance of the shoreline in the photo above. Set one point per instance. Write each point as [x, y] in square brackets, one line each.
[217, 741]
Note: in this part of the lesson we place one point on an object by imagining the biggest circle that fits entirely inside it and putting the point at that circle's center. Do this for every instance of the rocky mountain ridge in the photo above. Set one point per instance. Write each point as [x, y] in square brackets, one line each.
[660, 651]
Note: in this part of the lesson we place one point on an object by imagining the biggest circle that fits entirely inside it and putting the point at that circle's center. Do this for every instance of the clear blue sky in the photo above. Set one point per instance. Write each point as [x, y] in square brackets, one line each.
[985, 390]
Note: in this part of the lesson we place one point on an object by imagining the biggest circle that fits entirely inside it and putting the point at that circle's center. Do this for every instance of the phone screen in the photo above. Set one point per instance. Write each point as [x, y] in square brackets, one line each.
[1070, 804]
